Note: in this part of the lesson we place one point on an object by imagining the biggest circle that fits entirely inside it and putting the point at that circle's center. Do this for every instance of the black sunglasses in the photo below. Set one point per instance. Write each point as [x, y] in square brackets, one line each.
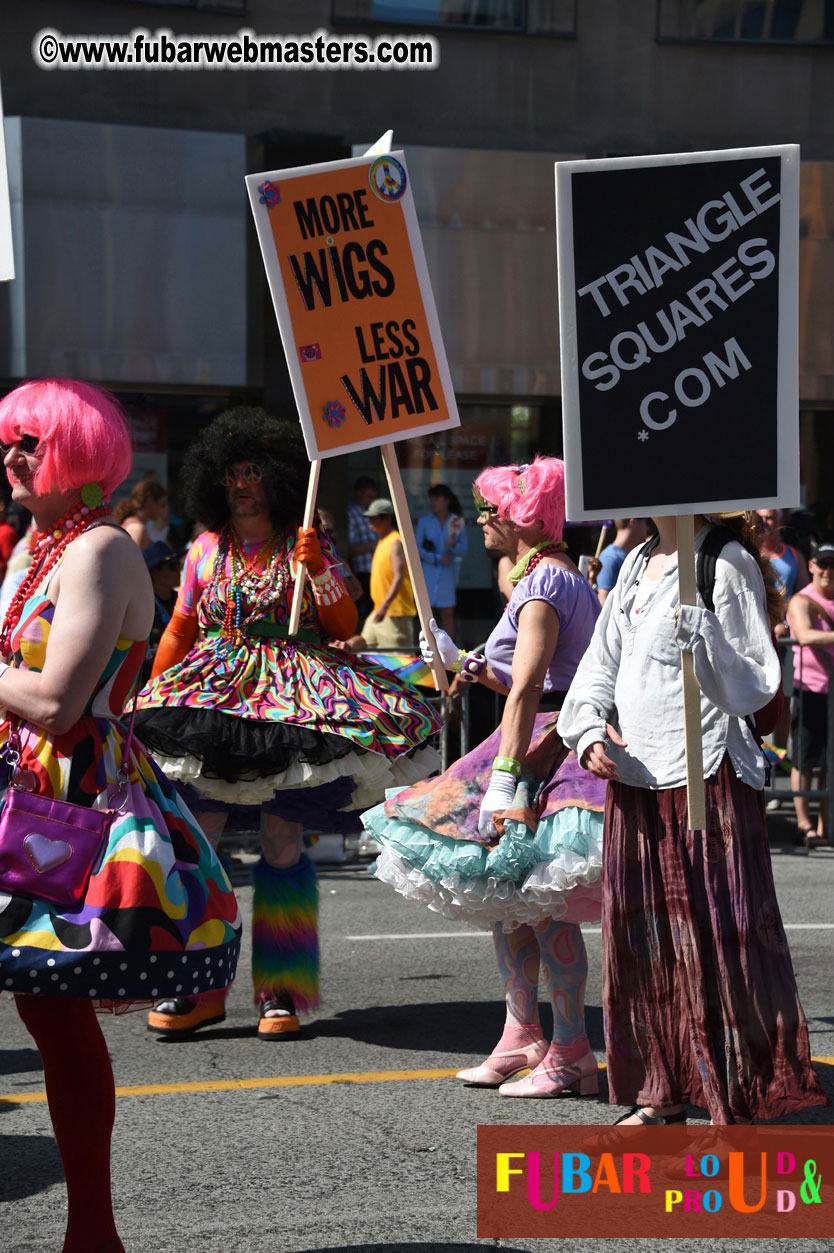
[26, 443]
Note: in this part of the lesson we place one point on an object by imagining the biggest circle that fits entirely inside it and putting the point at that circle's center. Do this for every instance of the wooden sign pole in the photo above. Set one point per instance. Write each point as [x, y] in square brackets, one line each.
[602, 533]
[695, 796]
[412, 558]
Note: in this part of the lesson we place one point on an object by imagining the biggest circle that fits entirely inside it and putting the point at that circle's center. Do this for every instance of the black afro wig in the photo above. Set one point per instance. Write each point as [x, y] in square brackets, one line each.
[246, 433]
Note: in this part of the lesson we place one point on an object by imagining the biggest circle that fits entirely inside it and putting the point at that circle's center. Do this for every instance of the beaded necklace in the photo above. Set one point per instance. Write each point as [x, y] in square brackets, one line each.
[48, 547]
[251, 592]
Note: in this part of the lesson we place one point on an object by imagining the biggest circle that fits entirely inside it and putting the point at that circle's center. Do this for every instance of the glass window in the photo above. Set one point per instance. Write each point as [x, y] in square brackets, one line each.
[503, 14]
[754, 21]
[539, 17]
[206, 6]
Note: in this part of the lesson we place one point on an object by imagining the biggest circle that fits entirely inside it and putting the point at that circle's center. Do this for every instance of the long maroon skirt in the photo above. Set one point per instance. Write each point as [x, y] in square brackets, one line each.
[699, 991]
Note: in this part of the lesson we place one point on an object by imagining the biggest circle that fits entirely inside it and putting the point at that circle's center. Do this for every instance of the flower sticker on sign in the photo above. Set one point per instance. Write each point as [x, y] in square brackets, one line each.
[270, 194]
[334, 413]
[348, 278]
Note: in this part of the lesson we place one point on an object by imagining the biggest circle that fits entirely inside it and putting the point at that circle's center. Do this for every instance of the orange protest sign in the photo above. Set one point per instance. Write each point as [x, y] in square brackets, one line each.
[345, 265]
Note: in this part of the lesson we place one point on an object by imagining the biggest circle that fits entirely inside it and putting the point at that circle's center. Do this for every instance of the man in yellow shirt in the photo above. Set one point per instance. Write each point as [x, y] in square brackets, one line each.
[390, 624]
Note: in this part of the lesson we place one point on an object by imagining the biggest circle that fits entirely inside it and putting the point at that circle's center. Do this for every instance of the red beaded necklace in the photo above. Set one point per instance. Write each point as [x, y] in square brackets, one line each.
[549, 550]
[48, 547]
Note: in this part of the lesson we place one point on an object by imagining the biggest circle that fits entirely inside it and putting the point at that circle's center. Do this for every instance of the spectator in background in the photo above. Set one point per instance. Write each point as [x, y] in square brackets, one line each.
[630, 533]
[788, 563]
[811, 618]
[8, 538]
[791, 570]
[441, 536]
[16, 567]
[390, 624]
[165, 569]
[144, 513]
[362, 539]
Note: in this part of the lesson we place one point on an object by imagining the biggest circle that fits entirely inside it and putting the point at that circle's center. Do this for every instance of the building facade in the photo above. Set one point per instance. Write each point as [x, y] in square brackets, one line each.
[137, 262]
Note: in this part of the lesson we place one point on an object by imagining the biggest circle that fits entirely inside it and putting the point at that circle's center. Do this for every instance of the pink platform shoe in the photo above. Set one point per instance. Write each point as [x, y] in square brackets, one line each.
[500, 1066]
[548, 1081]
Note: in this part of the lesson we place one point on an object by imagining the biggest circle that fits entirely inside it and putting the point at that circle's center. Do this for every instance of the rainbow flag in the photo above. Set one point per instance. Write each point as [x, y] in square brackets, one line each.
[777, 756]
[406, 666]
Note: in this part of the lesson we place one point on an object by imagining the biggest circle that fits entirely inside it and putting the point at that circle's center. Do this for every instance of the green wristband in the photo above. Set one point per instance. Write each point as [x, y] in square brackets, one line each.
[509, 764]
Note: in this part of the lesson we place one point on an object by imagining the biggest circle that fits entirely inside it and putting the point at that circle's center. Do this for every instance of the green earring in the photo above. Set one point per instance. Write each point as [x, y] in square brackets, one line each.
[91, 495]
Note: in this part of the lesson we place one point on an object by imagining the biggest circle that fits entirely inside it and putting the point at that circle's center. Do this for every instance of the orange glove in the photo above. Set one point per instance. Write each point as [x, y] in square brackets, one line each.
[339, 619]
[308, 550]
[177, 640]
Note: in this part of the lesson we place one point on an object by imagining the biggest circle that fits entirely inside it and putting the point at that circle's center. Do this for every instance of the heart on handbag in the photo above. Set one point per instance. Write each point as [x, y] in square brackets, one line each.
[46, 854]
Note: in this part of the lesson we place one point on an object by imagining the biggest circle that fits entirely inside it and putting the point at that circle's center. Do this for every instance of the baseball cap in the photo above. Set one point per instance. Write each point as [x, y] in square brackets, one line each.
[378, 508]
[157, 553]
[823, 552]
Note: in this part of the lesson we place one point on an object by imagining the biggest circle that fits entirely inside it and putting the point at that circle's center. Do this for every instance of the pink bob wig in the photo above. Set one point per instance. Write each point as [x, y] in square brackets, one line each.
[81, 429]
[529, 494]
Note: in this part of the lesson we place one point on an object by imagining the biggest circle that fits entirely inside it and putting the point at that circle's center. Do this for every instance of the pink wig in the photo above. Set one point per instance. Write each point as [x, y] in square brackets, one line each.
[528, 494]
[82, 429]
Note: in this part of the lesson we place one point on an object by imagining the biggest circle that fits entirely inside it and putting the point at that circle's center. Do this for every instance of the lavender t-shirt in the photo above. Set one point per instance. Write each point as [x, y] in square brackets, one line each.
[578, 608]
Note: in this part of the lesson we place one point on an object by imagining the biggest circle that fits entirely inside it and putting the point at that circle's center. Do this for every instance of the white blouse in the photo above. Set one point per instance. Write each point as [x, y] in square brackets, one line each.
[631, 674]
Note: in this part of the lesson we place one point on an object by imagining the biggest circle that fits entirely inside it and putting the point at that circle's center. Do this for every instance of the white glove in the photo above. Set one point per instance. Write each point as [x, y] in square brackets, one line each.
[446, 646]
[499, 795]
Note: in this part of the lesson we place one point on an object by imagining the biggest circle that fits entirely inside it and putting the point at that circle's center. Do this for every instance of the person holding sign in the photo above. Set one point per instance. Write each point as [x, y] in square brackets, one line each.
[264, 728]
[510, 836]
[700, 998]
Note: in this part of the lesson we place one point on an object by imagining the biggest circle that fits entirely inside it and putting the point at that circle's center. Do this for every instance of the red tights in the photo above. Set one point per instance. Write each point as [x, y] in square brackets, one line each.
[82, 1105]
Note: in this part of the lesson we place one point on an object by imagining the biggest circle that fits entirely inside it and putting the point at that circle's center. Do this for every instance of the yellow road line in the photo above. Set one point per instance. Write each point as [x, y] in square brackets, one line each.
[279, 1081]
[236, 1085]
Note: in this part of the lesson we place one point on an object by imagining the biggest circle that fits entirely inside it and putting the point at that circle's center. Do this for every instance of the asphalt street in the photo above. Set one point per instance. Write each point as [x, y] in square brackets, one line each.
[245, 1145]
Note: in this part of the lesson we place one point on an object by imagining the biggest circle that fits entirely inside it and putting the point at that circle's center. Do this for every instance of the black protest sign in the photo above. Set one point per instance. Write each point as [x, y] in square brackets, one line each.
[677, 289]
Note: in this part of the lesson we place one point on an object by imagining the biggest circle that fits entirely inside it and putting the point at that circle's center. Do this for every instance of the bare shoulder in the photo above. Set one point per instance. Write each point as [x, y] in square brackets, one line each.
[106, 551]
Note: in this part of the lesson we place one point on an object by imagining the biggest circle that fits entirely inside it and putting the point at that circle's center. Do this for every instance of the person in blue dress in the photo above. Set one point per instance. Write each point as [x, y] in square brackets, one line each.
[441, 537]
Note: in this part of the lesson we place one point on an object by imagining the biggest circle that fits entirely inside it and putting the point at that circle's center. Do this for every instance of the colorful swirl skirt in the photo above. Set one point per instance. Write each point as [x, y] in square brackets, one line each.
[287, 725]
[159, 917]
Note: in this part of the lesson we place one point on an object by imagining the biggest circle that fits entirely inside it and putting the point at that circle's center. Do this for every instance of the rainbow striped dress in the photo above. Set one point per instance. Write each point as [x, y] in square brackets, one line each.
[159, 917]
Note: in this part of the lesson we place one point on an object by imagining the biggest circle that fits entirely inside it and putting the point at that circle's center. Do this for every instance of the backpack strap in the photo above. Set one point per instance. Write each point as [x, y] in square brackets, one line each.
[706, 560]
[705, 564]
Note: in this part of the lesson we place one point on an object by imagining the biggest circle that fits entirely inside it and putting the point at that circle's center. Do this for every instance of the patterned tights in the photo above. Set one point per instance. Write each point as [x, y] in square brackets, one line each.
[559, 948]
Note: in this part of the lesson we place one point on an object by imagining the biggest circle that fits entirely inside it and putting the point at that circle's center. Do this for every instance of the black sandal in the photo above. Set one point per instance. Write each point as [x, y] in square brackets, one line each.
[651, 1120]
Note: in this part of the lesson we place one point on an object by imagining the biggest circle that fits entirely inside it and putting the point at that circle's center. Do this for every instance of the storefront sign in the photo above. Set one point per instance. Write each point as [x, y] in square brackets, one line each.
[679, 329]
[348, 277]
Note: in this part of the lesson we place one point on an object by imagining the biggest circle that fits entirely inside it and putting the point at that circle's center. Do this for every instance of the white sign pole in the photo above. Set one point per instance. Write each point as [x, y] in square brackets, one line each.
[381, 146]
[695, 796]
[6, 253]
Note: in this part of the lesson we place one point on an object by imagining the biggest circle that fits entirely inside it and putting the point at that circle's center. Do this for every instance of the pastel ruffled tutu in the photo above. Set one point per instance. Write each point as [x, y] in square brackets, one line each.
[546, 864]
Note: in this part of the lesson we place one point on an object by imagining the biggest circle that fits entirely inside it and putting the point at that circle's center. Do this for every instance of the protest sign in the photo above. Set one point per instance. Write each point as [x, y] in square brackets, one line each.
[349, 283]
[345, 265]
[6, 254]
[678, 315]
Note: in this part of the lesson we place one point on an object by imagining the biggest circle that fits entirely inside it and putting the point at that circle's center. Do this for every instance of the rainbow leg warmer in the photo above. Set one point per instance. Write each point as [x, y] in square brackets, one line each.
[285, 934]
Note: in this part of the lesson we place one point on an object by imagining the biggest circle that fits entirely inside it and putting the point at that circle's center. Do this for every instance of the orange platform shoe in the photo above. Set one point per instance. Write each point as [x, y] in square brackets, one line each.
[181, 1015]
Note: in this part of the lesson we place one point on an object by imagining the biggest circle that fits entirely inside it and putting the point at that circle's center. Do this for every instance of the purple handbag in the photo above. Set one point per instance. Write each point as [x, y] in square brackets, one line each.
[49, 848]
